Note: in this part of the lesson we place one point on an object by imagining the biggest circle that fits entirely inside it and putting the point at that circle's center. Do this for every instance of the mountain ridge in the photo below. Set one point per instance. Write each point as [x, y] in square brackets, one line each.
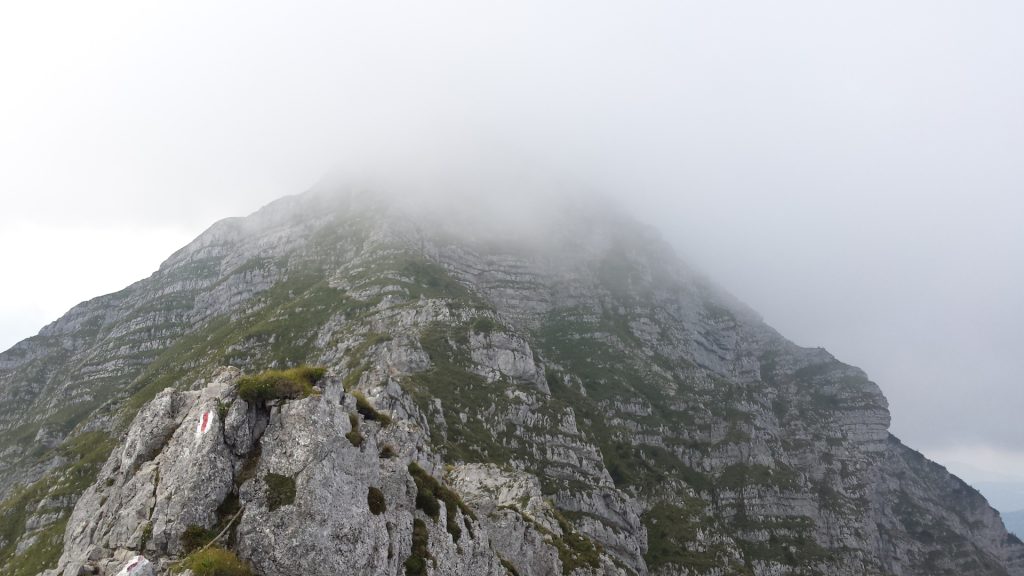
[685, 408]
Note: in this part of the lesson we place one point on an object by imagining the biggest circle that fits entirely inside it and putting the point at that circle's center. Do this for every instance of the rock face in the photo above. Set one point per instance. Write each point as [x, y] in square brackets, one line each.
[569, 401]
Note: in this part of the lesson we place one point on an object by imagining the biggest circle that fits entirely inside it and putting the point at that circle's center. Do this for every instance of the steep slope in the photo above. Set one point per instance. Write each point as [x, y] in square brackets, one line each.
[601, 409]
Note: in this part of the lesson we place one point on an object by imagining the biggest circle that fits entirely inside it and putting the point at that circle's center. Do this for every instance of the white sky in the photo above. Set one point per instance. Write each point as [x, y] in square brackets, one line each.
[852, 170]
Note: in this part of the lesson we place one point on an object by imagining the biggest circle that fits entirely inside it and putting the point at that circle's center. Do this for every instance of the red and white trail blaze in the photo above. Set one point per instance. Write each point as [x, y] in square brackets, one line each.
[204, 422]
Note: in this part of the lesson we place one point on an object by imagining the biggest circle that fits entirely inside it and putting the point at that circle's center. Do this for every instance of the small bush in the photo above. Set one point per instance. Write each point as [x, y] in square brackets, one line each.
[484, 325]
[215, 562]
[279, 384]
[375, 500]
[387, 452]
[364, 407]
[416, 564]
[280, 491]
[354, 435]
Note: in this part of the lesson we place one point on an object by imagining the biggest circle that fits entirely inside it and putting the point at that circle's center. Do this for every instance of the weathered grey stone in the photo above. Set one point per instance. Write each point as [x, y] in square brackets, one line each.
[679, 433]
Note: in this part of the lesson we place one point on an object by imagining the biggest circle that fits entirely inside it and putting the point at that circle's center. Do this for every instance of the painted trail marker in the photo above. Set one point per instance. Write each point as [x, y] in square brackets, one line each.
[136, 566]
[205, 423]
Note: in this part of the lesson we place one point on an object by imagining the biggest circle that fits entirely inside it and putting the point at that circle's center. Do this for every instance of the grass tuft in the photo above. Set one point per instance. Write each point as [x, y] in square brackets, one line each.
[214, 561]
[364, 407]
[429, 494]
[416, 563]
[354, 435]
[279, 384]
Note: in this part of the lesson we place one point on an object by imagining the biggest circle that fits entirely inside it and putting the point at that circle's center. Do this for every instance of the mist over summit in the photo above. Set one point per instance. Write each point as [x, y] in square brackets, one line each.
[536, 385]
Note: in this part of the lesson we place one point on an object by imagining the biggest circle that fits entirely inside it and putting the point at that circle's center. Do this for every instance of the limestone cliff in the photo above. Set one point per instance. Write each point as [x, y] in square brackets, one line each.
[582, 402]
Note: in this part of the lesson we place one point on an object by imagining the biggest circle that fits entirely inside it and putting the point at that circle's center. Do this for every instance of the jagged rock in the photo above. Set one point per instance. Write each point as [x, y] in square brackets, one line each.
[600, 408]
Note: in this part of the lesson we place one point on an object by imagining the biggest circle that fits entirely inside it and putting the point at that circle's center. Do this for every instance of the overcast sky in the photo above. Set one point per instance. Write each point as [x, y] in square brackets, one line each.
[853, 170]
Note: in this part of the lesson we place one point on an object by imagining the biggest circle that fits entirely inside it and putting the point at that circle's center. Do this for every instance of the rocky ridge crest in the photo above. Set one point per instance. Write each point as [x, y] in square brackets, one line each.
[596, 407]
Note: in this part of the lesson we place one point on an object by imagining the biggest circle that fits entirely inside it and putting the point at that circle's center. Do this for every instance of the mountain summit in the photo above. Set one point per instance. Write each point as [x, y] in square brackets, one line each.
[343, 384]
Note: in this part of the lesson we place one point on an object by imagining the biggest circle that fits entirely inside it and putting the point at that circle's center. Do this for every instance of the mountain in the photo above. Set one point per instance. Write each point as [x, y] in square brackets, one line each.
[548, 393]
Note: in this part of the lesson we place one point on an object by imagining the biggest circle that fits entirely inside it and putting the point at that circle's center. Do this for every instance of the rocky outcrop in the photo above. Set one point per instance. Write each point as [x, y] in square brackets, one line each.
[581, 401]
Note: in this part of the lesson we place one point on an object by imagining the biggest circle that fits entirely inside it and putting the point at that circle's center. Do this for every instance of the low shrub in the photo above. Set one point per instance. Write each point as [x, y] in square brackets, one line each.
[387, 452]
[215, 561]
[375, 500]
[279, 384]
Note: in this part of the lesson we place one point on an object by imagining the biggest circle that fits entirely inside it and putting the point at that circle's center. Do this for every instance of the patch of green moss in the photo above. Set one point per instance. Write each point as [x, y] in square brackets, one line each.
[375, 500]
[279, 384]
[280, 490]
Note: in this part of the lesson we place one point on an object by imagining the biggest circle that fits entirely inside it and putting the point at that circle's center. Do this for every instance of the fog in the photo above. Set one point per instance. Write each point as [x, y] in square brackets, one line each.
[851, 170]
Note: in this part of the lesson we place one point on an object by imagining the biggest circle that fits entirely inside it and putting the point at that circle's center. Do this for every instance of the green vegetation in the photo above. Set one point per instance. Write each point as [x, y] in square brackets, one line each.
[509, 568]
[367, 410]
[222, 409]
[372, 339]
[279, 384]
[280, 490]
[387, 452]
[672, 536]
[738, 476]
[428, 494]
[86, 453]
[416, 563]
[461, 393]
[356, 364]
[354, 435]
[574, 549]
[195, 537]
[484, 325]
[147, 533]
[249, 466]
[214, 561]
[375, 500]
